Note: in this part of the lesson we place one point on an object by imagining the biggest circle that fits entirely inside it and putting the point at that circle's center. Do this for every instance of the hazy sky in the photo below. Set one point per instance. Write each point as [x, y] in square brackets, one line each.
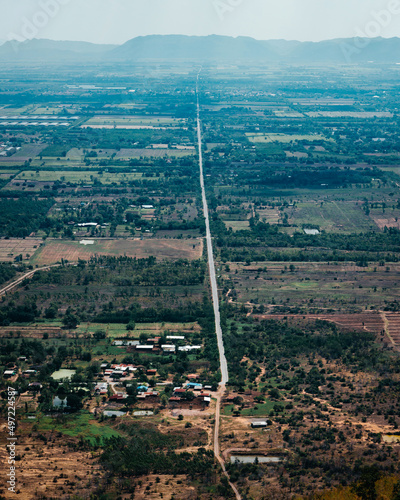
[115, 21]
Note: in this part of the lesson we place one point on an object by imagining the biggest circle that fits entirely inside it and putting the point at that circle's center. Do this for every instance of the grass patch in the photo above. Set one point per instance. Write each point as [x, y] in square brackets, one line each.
[87, 177]
[239, 225]
[283, 138]
[259, 409]
[81, 424]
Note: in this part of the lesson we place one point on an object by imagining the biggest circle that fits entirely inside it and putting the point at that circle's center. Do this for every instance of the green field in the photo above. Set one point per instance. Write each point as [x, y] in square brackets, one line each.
[333, 216]
[260, 409]
[284, 138]
[135, 120]
[237, 225]
[6, 174]
[86, 177]
[81, 424]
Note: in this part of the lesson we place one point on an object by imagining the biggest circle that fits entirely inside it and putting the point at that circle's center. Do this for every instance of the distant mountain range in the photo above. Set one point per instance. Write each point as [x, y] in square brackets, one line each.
[212, 49]
[40, 50]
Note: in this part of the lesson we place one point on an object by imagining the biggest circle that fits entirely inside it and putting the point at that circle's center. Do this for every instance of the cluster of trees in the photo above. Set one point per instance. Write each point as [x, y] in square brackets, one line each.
[7, 272]
[102, 213]
[324, 247]
[274, 342]
[197, 224]
[190, 311]
[19, 313]
[327, 178]
[148, 451]
[19, 218]
[186, 313]
[387, 241]
[126, 272]
[32, 349]
[131, 281]
[309, 255]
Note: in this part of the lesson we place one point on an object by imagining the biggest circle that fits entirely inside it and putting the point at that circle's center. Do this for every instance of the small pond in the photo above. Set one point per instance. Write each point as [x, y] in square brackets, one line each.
[63, 373]
[391, 438]
[58, 403]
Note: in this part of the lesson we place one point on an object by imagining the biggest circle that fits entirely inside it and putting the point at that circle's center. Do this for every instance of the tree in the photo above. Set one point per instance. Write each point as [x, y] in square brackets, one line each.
[51, 311]
[99, 335]
[74, 401]
[366, 489]
[70, 320]
[188, 395]
[274, 393]
[396, 492]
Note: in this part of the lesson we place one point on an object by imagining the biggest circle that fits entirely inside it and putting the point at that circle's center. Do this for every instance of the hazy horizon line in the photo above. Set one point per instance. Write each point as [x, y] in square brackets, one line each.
[3, 41]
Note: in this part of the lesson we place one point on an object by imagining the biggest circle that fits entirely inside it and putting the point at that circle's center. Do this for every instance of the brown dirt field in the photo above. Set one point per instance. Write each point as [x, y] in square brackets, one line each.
[368, 321]
[170, 487]
[388, 222]
[42, 463]
[270, 215]
[393, 327]
[32, 332]
[55, 250]
[237, 433]
[9, 249]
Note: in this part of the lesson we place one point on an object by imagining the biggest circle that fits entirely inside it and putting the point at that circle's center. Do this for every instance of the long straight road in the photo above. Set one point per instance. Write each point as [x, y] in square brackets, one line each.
[211, 265]
[214, 291]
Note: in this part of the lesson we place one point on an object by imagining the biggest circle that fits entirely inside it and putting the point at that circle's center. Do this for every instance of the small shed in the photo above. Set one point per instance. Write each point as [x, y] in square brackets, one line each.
[259, 425]
[168, 348]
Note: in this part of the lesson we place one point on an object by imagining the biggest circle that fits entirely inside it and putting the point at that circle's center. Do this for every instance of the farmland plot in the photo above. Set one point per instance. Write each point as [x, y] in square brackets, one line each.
[315, 287]
[334, 216]
[11, 248]
[55, 250]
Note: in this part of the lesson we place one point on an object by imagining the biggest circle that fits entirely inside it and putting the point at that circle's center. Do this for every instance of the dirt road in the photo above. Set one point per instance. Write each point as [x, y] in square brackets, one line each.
[15, 283]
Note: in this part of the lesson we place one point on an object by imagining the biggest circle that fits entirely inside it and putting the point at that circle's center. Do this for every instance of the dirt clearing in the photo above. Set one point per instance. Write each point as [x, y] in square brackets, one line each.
[55, 250]
[11, 248]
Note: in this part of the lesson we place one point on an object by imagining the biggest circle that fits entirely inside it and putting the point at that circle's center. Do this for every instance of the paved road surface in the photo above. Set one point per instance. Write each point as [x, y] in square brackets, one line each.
[211, 265]
[214, 290]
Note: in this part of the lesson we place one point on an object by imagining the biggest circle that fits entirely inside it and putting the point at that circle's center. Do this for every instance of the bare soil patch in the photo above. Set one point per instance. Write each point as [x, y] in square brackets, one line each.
[368, 321]
[383, 222]
[52, 471]
[9, 249]
[55, 250]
